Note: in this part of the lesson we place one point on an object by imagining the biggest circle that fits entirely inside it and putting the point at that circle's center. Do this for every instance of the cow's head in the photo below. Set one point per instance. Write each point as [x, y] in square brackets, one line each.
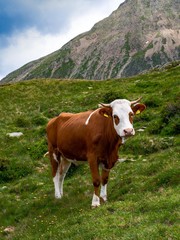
[122, 112]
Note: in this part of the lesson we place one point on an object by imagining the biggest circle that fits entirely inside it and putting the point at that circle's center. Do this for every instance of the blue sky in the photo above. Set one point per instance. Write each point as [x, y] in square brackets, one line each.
[30, 29]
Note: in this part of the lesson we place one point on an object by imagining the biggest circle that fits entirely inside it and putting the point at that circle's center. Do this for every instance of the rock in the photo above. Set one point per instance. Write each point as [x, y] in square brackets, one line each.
[140, 130]
[9, 229]
[121, 160]
[15, 134]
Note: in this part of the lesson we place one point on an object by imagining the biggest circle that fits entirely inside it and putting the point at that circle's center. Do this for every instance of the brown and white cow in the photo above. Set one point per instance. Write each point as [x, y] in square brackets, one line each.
[92, 136]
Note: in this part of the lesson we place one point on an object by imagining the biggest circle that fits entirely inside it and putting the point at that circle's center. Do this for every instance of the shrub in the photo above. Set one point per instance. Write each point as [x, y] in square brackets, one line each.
[172, 65]
[12, 170]
[170, 118]
[111, 96]
[156, 126]
[39, 120]
[168, 123]
[142, 145]
[171, 110]
[153, 102]
[22, 122]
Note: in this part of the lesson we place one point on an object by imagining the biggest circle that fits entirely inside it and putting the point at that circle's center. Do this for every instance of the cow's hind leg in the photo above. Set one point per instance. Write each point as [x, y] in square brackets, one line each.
[55, 163]
[64, 166]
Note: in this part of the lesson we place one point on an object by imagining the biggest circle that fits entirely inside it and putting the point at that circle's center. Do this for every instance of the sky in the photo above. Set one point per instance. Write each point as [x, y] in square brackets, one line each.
[30, 29]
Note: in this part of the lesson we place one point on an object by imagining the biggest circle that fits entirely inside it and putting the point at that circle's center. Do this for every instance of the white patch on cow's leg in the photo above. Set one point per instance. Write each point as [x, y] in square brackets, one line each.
[95, 201]
[65, 167]
[56, 184]
[56, 178]
[103, 193]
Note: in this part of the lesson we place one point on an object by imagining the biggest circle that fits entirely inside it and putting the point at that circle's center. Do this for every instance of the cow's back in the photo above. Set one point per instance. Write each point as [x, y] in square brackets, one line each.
[52, 127]
[72, 134]
[67, 130]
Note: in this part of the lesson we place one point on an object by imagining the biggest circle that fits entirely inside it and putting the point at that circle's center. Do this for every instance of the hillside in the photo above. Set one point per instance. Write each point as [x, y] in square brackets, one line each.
[138, 36]
[143, 190]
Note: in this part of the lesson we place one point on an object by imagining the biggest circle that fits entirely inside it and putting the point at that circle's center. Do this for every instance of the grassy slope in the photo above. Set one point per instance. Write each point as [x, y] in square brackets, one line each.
[143, 191]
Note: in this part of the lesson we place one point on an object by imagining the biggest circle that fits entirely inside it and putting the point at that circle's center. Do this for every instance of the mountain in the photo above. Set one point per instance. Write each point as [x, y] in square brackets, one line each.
[138, 36]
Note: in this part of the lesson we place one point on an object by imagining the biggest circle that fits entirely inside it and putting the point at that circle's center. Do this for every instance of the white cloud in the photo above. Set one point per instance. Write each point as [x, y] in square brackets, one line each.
[27, 46]
[30, 44]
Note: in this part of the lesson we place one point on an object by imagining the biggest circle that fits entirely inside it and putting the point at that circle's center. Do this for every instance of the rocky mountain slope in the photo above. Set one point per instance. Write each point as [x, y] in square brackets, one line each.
[138, 36]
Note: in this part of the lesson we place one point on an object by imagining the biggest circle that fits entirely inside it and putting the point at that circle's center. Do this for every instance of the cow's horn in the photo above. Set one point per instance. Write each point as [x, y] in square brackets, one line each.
[136, 101]
[103, 105]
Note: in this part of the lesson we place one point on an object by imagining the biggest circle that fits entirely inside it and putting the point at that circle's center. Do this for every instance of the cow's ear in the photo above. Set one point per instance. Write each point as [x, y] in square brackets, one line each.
[138, 108]
[106, 111]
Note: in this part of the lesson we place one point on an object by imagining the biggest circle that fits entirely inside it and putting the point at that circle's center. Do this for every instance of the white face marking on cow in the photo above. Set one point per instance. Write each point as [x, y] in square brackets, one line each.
[121, 110]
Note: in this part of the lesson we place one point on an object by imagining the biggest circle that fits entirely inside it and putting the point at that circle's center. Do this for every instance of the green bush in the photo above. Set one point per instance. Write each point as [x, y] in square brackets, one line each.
[39, 120]
[170, 118]
[171, 110]
[110, 96]
[153, 102]
[13, 169]
[22, 122]
[142, 145]
[156, 126]
[168, 122]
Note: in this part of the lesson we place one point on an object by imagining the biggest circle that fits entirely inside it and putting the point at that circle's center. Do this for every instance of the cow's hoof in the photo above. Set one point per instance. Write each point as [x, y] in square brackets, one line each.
[103, 199]
[95, 206]
[95, 201]
[58, 196]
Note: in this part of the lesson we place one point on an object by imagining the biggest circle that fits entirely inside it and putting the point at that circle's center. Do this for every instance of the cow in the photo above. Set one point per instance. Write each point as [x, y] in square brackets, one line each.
[93, 136]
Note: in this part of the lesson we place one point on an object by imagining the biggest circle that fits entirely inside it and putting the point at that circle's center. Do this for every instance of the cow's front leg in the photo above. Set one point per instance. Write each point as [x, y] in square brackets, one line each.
[96, 181]
[104, 181]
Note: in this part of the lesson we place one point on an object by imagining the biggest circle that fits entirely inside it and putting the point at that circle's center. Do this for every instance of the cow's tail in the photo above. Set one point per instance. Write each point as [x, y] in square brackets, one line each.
[46, 154]
[56, 156]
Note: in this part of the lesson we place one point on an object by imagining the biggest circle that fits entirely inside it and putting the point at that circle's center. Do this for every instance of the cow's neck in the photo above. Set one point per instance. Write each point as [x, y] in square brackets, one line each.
[112, 145]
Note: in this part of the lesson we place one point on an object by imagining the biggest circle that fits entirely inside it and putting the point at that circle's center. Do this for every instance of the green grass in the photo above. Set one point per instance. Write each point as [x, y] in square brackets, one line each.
[143, 200]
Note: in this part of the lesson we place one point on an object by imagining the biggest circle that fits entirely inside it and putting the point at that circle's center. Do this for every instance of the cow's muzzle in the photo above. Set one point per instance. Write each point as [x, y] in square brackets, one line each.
[128, 132]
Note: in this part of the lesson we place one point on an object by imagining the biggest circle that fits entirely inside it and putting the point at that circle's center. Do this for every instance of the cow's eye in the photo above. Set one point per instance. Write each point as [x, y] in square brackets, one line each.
[116, 119]
[131, 115]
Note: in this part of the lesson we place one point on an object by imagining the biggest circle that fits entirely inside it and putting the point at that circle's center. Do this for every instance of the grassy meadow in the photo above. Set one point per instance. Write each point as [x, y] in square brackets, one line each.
[143, 191]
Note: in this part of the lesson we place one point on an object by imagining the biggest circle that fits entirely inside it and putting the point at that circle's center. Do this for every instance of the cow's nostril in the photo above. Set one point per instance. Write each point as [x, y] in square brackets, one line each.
[128, 131]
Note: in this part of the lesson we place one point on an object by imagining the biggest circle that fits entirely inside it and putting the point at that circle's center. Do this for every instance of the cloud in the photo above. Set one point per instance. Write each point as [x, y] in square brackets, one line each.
[48, 25]
[28, 45]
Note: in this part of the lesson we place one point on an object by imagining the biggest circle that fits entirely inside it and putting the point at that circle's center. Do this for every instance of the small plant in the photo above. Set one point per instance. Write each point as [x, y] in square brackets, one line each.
[111, 96]
[12, 170]
[153, 102]
[168, 123]
[22, 122]
[37, 150]
[143, 145]
[39, 120]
